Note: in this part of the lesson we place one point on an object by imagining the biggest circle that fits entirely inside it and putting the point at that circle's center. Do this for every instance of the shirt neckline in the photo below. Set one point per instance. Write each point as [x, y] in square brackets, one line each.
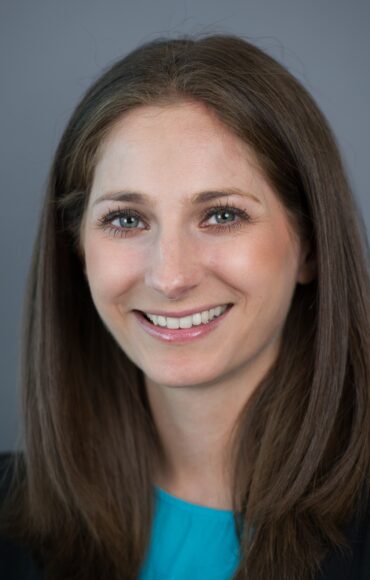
[188, 506]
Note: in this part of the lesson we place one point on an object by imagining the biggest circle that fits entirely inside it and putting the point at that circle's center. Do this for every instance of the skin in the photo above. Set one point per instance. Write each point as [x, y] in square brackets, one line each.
[175, 259]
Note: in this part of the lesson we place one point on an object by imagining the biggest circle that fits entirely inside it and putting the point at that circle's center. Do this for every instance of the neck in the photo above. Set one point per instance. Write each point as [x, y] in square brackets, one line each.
[195, 429]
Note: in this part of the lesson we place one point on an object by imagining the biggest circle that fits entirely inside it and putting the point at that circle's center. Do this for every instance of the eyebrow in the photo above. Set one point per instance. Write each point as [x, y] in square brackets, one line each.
[198, 198]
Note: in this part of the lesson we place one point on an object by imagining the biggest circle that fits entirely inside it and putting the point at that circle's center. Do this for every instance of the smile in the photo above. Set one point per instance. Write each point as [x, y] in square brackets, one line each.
[179, 335]
[196, 319]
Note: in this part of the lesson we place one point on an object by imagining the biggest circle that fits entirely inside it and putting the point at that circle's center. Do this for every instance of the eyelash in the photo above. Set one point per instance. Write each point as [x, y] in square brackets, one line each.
[105, 222]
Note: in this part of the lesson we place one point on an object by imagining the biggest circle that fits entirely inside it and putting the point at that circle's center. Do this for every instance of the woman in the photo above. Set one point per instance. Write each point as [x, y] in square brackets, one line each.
[196, 343]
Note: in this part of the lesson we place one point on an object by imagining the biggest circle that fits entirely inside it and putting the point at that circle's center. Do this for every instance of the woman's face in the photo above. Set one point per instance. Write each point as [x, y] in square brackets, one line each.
[172, 253]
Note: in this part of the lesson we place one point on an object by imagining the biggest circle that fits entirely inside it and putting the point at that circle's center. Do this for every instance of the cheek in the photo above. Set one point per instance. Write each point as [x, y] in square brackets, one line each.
[110, 272]
[261, 265]
[276, 274]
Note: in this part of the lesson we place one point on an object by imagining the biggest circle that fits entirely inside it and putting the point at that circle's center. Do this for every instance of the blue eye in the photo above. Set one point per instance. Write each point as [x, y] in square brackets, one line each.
[224, 211]
[128, 220]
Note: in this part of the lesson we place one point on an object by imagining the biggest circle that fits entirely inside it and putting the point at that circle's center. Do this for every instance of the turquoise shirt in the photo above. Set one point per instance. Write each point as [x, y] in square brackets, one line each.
[190, 542]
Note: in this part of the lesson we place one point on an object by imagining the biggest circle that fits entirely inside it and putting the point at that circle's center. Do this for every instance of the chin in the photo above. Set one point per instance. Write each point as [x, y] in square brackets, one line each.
[173, 380]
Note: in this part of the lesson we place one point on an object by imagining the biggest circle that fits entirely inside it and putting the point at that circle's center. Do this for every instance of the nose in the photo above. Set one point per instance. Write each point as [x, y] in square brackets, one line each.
[173, 266]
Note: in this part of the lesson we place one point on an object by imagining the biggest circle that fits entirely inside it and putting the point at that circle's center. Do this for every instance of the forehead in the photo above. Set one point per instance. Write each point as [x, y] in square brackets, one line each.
[191, 118]
[184, 143]
[169, 154]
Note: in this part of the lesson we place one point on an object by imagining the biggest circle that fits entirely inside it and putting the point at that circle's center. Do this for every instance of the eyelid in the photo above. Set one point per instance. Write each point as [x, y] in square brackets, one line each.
[105, 222]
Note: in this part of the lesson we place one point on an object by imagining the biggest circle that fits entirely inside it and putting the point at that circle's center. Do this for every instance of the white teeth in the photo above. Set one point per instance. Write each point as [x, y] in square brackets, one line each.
[187, 321]
[173, 322]
[196, 319]
[205, 317]
[160, 320]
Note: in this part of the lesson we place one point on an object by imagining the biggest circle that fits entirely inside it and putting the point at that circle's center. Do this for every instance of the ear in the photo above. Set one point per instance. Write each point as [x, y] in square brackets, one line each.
[308, 266]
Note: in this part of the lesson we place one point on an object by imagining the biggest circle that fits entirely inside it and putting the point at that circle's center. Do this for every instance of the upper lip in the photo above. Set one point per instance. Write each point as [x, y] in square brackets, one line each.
[183, 312]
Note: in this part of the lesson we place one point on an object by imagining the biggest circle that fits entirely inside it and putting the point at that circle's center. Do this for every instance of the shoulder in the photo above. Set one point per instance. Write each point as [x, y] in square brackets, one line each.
[16, 561]
[353, 564]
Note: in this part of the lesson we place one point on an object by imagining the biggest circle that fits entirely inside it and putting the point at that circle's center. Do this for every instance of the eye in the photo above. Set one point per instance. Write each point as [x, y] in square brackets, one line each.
[226, 214]
[120, 222]
[125, 222]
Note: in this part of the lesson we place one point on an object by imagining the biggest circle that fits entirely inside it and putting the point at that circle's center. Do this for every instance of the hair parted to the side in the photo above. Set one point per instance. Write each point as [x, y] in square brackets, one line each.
[301, 451]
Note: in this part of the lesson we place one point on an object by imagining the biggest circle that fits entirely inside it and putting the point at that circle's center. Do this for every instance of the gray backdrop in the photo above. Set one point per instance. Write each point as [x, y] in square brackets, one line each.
[50, 52]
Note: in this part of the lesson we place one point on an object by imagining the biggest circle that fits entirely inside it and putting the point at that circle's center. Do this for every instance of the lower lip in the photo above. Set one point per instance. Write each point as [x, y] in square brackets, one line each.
[180, 335]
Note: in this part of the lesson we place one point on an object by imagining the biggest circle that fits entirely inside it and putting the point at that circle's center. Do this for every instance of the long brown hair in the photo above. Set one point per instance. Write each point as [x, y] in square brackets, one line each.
[301, 445]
